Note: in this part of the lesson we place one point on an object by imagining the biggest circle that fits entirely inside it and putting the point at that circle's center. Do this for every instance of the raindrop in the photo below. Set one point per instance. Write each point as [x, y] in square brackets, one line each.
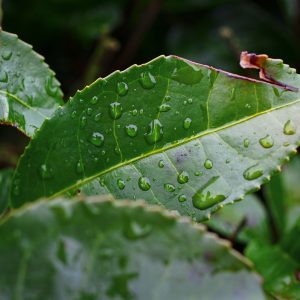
[197, 173]
[155, 132]
[169, 187]
[135, 230]
[187, 123]
[252, 173]
[183, 177]
[94, 100]
[167, 98]
[134, 112]
[115, 110]
[164, 108]
[246, 143]
[83, 121]
[3, 76]
[79, 167]
[51, 87]
[182, 198]
[97, 139]
[97, 117]
[208, 164]
[161, 164]
[122, 88]
[267, 141]
[147, 80]
[46, 172]
[81, 100]
[289, 128]
[6, 54]
[190, 101]
[131, 130]
[121, 184]
[89, 111]
[144, 183]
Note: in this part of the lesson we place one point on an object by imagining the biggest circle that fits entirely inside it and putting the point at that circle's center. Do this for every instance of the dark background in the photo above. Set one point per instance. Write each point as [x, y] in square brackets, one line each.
[84, 39]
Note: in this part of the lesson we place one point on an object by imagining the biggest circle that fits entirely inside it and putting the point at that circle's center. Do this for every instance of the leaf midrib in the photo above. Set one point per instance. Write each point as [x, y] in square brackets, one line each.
[171, 146]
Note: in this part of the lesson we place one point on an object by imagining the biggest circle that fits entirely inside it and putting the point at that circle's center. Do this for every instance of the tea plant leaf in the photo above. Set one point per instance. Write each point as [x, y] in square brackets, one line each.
[279, 264]
[5, 183]
[100, 249]
[29, 92]
[172, 132]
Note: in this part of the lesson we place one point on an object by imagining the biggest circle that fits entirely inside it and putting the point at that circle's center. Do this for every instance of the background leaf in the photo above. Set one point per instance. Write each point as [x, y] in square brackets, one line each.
[106, 250]
[210, 137]
[29, 92]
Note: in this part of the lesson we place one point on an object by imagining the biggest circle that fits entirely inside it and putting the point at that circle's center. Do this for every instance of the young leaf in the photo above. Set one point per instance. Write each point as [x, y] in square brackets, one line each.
[95, 249]
[279, 264]
[29, 92]
[5, 183]
[172, 132]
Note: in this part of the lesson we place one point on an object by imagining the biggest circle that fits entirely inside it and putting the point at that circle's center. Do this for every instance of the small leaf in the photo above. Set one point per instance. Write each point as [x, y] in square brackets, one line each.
[100, 249]
[29, 92]
[225, 110]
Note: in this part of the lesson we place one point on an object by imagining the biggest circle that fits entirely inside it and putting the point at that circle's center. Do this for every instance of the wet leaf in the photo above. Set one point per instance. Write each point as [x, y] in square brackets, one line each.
[235, 140]
[100, 249]
[29, 92]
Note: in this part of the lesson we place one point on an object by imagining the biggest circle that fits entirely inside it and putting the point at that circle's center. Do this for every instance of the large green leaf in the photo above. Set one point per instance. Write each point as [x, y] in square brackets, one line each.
[172, 132]
[106, 250]
[279, 264]
[5, 183]
[29, 92]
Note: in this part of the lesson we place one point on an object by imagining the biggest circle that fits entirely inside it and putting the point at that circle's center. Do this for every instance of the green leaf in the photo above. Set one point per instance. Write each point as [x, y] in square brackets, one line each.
[5, 184]
[279, 264]
[172, 132]
[103, 249]
[242, 222]
[29, 92]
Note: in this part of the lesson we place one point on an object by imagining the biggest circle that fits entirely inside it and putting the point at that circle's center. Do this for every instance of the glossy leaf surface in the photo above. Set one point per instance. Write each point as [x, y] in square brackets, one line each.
[116, 250]
[172, 132]
[279, 264]
[5, 183]
[29, 92]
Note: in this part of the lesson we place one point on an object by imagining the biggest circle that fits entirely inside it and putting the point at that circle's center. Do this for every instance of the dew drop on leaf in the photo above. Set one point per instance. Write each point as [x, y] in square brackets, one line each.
[252, 173]
[121, 184]
[6, 55]
[161, 164]
[115, 110]
[79, 167]
[167, 98]
[122, 88]
[155, 132]
[73, 114]
[97, 139]
[208, 164]
[164, 107]
[46, 172]
[89, 111]
[3, 76]
[135, 230]
[289, 128]
[97, 117]
[147, 80]
[83, 121]
[183, 177]
[169, 187]
[187, 123]
[94, 100]
[144, 183]
[246, 143]
[131, 130]
[182, 198]
[267, 141]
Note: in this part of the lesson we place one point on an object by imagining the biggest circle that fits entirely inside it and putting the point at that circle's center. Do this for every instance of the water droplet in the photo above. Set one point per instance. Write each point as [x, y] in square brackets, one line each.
[136, 230]
[197, 173]
[161, 163]
[122, 88]
[131, 130]
[182, 198]
[81, 100]
[252, 173]
[97, 139]
[155, 132]
[167, 98]
[115, 110]
[267, 141]
[73, 114]
[169, 187]
[144, 183]
[141, 111]
[6, 54]
[208, 164]
[134, 112]
[94, 100]
[147, 80]
[3, 76]
[83, 121]
[246, 143]
[97, 117]
[51, 86]
[121, 184]
[187, 123]
[164, 108]
[289, 128]
[183, 177]
[190, 101]
[89, 111]
[205, 198]
[79, 167]
[46, 172]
